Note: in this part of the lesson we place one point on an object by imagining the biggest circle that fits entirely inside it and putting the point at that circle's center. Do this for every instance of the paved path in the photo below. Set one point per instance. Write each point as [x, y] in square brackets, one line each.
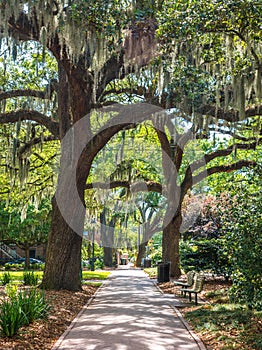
[129, 313]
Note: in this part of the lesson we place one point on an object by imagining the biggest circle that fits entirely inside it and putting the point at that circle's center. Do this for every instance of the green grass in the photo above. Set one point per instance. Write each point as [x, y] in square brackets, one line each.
[151, 271]
[234, 325]
[92, 283]
[18, 276]
[95, 275]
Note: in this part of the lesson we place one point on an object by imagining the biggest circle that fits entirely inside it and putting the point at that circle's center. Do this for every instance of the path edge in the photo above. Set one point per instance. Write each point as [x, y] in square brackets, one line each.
[72, 324]
[196, 338]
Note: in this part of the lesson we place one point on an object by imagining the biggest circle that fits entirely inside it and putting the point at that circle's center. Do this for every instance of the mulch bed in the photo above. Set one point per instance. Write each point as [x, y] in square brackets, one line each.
[42, 335]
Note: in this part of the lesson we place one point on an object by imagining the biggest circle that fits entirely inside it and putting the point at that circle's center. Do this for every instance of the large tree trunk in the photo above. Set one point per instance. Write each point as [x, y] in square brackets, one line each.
[108, 256]
[63, 259]
[141, 253]
[107, 234]
[170, 244]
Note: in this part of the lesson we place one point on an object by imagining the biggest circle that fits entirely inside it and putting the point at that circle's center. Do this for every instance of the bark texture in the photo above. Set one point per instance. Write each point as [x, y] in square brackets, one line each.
[63, 257]
[170, 245]
[141, 253]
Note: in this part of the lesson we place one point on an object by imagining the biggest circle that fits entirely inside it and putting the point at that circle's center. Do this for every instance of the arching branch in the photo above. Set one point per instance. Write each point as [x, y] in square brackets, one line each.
[44, 94]
[128, 116]
[190, 180]
[19, 93]
[231, 115]
[36, 141]
[149, 186]
[221, 153]
[15, 116]
[234, 134]
[223, 169]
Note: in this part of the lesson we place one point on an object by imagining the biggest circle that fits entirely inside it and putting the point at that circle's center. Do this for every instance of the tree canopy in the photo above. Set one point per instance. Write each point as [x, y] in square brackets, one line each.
[199, 61]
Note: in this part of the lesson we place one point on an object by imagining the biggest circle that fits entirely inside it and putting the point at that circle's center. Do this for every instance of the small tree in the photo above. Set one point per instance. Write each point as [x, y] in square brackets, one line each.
[30, 228]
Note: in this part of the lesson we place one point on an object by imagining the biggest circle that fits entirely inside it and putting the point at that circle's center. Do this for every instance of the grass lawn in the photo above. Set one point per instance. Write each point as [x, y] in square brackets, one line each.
[92, 283]
[17, 276]
[95, 275]
[151, 271]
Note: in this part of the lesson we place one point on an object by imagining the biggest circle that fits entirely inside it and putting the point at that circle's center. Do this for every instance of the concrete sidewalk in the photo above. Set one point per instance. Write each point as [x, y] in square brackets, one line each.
[129, 313]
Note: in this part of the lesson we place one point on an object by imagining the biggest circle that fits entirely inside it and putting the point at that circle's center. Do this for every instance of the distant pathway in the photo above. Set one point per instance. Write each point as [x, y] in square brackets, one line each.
[129, 313]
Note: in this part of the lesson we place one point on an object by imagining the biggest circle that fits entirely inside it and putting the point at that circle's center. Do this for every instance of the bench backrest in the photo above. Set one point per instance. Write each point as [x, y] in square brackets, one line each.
[198, 283]
[190, 278]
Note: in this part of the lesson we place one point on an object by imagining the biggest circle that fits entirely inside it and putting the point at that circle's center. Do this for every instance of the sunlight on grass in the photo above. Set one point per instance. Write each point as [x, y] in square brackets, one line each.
[97, 275]
[92, 283]
[18, 276]
[151, 271]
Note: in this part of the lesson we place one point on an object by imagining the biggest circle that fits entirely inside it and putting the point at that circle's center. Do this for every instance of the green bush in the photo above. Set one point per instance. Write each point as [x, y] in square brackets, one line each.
[37, 266]
[21, 309]
[11, 290]
[247, 290]
[33, 304]
[30, 279]
[242, 226]
[99, 264]
[156, 256]
[7, 266]
[13, 266]
[206, 254]
[6, 278]
[12, 317]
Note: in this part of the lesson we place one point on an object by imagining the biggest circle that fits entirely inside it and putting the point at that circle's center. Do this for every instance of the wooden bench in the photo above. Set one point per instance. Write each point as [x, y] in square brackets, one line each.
[196, 288]
[189, 282]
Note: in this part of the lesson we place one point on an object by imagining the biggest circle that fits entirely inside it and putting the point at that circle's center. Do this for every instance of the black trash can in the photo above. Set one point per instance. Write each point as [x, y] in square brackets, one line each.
[163, 272]
[123, 261]
[147, 263]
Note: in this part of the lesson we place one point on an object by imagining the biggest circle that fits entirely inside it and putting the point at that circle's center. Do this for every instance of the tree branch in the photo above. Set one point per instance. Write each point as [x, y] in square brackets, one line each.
[35, 141]
[223, 169]
[231, 115]
[233, 134]
[44, 94]
[20, 115]
[150, 186]
[18, 93]
[221, 153]
[128, 116]
[139, 47]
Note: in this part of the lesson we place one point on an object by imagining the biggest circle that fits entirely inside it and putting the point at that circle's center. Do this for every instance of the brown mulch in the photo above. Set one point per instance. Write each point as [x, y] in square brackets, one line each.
[42, 334]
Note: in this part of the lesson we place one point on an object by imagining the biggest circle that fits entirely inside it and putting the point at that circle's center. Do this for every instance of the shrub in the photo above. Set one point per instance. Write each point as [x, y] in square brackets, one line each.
[6, 278]
[206, 254]
[156, 256]
[30, 279]
[7, 266]
[11, 290]
[14, 266]
[99, 264]
[21, 309]
[242, 224]
[37, 266]
[33, 304]
[12, 317]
